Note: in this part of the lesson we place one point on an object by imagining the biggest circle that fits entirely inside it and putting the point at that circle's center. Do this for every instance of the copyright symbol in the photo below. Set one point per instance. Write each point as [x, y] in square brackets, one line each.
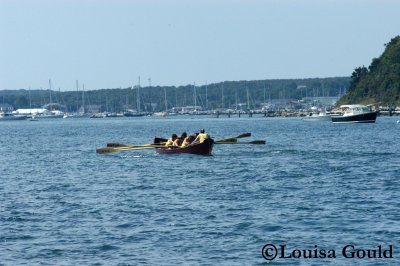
[269, 252]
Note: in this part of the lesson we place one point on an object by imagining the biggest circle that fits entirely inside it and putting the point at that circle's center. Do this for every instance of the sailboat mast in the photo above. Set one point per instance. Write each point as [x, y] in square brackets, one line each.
[176, 98]
[195, 102]
[138, 95]
[83, 97]
[206, 96]
[150, 100]
[222, 96]
[248, 99]
[50, 92]
[165, 99]
[30, 102]
[77, 96]
[236, 98]
[264, 93]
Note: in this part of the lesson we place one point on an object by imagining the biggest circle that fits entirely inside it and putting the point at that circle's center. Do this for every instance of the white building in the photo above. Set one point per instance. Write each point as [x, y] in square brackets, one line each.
[35, 111]
[40, 112]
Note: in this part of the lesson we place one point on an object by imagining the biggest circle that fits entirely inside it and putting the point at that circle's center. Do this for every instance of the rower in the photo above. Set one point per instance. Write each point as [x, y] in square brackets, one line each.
[170, 141]
[201, 137]
[187, 141]
[178, 142]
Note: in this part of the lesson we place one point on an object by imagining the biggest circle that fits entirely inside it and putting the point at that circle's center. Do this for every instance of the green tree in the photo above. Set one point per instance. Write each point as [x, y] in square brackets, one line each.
[380, 83]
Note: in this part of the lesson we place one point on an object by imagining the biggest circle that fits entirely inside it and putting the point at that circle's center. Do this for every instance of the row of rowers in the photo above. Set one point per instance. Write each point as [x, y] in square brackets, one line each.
[184, 140]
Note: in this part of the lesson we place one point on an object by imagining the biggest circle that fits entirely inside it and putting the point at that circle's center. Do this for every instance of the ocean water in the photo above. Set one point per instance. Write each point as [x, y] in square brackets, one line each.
[314, 185]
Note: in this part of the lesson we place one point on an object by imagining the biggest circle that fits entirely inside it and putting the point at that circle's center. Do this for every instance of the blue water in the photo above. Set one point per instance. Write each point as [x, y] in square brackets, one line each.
[314, 183]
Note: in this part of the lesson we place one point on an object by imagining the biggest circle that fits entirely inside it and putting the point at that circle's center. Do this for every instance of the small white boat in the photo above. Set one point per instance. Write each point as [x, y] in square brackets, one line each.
[33, 118]
[321, 116]
[52, 114]
[355, 113]
[162, 114]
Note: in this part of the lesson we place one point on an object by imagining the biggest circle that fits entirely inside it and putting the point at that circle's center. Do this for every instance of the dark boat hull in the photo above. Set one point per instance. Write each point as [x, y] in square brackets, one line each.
[360, 118]
[204, 148]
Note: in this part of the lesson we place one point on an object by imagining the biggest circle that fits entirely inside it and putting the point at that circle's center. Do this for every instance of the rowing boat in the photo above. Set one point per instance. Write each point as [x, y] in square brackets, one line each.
[204, 148]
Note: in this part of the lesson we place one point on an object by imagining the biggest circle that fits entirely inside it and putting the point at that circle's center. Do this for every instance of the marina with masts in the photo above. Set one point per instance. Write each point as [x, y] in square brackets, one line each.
[224, 99]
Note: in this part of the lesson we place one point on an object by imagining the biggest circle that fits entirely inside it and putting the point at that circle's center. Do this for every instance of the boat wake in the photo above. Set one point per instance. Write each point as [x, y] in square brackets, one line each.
[133, 156]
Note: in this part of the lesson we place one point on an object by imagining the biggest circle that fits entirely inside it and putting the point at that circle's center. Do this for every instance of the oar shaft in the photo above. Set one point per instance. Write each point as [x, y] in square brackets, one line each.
[111, 150]
[120, 145]
[250, 142]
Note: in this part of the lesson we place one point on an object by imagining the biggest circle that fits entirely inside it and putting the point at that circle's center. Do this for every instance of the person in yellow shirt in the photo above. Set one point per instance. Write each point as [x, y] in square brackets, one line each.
[201, 137]
[186, 142]
[170, 141]
[178, 142]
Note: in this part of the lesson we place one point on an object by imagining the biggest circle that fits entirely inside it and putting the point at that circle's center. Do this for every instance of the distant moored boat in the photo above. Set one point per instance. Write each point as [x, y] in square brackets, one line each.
[6, 116]
[321, 116]
[355, 113]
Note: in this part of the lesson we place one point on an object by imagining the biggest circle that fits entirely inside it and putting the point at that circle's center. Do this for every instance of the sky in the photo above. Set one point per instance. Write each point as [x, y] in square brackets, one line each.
[110, 44]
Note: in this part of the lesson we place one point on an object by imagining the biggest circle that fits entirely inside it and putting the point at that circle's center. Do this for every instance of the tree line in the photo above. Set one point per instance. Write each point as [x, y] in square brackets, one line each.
[225, 94]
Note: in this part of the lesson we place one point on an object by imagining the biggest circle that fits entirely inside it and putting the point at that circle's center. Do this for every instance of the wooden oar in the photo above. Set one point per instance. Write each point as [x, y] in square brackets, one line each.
[233, 139]
[115, 145]
[226, 140]
[117, 149]
[249, 142]
[121, 145]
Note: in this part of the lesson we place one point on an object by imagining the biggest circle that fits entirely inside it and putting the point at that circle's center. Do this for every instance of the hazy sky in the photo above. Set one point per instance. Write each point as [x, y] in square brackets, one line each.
[108, 44]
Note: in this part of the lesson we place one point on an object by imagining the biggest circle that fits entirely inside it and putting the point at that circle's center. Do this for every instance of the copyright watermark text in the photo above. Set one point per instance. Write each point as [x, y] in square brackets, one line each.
[271, 252]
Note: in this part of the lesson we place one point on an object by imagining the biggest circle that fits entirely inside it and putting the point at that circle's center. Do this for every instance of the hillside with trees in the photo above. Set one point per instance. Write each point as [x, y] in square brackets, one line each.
[379, 84]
